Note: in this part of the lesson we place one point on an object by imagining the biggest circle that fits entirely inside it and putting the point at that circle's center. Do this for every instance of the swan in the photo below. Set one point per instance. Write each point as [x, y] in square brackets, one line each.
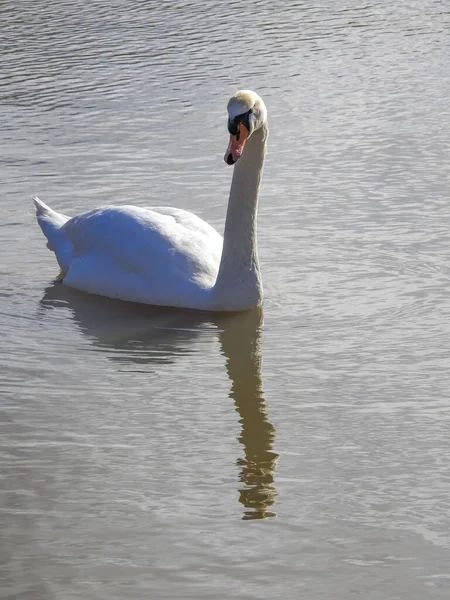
[168, 256]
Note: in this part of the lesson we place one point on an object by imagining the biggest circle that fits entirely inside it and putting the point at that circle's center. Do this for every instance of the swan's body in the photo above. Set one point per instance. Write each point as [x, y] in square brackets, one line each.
[168, 256]
[106, 251]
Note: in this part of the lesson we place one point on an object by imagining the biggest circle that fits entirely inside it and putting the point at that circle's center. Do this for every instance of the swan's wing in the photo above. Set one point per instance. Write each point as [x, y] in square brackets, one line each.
[159, 256]
[121, 249]
[154, 243]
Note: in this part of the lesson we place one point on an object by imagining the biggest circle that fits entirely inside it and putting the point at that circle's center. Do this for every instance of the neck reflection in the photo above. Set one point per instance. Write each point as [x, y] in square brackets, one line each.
[241, 345]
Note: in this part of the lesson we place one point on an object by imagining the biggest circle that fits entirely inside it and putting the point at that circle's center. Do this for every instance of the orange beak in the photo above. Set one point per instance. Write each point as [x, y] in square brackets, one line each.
[236, 145]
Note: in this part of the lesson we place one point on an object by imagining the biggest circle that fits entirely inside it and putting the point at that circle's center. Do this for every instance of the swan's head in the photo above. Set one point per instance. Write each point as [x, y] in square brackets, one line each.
[246, 114]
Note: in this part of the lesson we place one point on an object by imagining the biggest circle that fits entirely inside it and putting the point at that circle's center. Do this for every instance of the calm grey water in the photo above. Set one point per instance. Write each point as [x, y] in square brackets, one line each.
[300, 452]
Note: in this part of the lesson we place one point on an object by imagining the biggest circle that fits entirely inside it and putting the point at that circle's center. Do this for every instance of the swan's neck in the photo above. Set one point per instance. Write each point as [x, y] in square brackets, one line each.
[238, 285]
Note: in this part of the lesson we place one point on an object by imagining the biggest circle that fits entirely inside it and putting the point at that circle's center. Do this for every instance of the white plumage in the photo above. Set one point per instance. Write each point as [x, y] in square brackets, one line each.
[163, 256]
[168, 256]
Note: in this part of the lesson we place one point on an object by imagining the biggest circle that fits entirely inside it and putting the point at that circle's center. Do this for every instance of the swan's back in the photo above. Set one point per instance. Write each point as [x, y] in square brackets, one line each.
[160, 255]
[148, 240]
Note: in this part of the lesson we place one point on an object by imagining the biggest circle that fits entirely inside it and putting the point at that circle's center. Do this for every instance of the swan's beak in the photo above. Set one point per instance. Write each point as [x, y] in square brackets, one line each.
[236, 145]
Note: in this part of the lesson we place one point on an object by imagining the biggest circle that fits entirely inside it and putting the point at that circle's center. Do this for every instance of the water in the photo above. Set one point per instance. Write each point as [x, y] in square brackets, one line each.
[298, 452]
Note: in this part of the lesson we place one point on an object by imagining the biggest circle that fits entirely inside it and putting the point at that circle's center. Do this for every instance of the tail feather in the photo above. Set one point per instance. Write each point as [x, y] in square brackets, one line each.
[45, 212]
[51, 223]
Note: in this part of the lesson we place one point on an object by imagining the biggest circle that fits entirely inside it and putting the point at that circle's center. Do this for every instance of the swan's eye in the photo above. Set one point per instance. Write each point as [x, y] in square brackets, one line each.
[247, 120]
[233, 124]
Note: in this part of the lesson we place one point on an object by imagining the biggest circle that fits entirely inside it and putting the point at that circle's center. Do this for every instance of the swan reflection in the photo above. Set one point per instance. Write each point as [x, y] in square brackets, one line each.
[240, 340]
[144, 336]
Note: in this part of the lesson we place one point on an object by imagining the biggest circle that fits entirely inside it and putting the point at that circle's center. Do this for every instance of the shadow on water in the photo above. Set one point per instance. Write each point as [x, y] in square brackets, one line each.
[142, 335]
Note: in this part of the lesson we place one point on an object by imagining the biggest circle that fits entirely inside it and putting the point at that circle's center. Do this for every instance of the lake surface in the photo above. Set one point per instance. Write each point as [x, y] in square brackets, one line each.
[298, 452]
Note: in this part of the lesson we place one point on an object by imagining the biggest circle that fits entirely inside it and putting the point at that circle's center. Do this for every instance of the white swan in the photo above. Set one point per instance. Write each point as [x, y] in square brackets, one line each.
[168, 256]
